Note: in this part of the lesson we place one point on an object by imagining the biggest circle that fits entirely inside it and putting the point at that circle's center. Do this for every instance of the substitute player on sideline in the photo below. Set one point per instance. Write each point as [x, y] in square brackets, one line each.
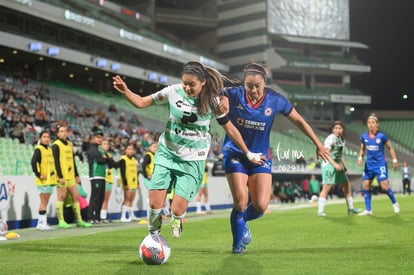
[43, 167]
[373, 142]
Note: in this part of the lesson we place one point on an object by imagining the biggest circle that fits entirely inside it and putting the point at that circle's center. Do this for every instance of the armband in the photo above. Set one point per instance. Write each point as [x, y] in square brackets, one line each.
[394, 161]
[223, 120]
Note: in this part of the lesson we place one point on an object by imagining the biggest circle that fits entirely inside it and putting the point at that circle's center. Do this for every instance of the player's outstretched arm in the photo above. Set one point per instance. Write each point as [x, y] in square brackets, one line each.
[136, 100]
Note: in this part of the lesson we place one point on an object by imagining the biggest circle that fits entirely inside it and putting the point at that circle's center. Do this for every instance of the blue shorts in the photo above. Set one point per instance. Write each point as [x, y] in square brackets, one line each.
[381, 172]
[235, 162]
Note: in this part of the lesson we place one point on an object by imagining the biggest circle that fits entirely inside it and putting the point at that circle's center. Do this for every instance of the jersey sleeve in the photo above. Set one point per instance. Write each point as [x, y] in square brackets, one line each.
[161, 97]
[328, 142]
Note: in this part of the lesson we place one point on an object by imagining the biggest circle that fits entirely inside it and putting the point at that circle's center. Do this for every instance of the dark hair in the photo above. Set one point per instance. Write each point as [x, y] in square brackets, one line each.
[214, 83]
[337, 122]
[255, 68]
[44, 132]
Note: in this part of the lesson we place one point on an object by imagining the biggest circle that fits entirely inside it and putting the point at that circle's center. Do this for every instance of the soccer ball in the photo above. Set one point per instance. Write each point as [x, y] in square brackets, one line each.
[3, 227]
[154, 249]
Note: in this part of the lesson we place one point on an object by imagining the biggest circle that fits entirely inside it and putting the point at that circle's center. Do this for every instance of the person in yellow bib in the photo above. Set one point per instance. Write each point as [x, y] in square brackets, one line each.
[129, 175]
[68, 177]
[43, 167]
[109, 179]
[203, 192]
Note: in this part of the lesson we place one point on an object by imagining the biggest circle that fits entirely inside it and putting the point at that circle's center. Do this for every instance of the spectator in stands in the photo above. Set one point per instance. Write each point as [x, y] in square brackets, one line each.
[406, 178]
[314, 188]
[334, 170]
[256, 105]
[43, 167]
[68, 177]
[305, 188]
[374, 142]
[112, 108]
[185, 143]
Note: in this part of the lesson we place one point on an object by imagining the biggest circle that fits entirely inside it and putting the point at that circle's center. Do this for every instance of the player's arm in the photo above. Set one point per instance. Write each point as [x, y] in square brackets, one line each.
[134, 99]
[302, 125]
[36, 158]
[393, 154]
[235, 135]
[361, 153]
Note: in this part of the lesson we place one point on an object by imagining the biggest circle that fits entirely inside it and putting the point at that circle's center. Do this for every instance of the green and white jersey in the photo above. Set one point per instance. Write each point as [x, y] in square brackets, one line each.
[187, 134]
[336, 147]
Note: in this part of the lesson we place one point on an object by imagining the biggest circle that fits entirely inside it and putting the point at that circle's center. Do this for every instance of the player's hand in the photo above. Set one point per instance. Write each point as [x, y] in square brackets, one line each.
[338, 167]
[395, 165]
[359, 161]
[42, 177]
[256, 158]
[224, 105]
[119, 84]
[322, 152]
[78, 180]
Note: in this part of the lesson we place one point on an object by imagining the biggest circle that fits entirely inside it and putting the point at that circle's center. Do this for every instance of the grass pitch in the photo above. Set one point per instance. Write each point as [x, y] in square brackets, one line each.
[294, 241]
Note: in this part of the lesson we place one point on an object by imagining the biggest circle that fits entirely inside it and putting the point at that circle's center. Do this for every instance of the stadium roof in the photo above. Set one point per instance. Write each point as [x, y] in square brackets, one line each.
[325, 42]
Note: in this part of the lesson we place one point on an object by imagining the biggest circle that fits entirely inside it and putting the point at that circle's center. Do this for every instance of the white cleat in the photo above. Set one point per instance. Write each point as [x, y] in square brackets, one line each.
[365, 213]
[396, 207]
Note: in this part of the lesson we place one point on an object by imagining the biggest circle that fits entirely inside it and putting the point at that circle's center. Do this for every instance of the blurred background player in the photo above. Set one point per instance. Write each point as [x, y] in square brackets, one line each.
[334, 170]
[406, 178]
[373, 142]
[147, 171]
[109, 179]
[68, 177]
[129, 175]
[43, 167]
[203, 192]
[83, 203]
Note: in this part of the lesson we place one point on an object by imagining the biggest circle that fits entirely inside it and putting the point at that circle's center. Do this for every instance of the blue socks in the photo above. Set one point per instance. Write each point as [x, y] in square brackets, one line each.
[367, 200]
[391, 196]
[251, 213]
[237, 223]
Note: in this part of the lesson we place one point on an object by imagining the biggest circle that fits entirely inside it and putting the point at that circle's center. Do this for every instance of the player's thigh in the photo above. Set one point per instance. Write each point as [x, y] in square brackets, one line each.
[260, 186]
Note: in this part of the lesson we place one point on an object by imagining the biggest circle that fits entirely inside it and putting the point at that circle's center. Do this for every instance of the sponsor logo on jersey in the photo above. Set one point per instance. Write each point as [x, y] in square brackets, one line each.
[268, 111]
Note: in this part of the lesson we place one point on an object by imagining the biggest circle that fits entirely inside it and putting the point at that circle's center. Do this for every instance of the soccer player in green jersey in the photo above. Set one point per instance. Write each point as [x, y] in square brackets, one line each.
[184, 145]
[334, 169]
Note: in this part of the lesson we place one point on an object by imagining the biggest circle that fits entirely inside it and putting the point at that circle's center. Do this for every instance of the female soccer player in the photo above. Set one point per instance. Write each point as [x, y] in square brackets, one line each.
[108, 181]
[68, 177]
[334, 170]
[43, 167]
[253, 108]
[128, 166]
[373, 142]
[184, 145]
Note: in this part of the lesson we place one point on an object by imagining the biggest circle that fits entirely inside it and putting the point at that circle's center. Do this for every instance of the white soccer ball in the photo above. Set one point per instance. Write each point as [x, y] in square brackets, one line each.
[154, 249]
[3, 227]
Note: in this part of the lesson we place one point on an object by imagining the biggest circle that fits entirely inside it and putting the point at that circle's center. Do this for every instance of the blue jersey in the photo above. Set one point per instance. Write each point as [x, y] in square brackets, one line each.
[254, 122]
[374, 147]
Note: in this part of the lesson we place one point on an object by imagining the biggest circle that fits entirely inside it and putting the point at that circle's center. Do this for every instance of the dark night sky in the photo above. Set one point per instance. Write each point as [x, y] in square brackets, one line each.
[387, 27]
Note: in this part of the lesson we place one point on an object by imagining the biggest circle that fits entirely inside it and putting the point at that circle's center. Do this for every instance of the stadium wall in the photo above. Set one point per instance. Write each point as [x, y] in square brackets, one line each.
[19, 200]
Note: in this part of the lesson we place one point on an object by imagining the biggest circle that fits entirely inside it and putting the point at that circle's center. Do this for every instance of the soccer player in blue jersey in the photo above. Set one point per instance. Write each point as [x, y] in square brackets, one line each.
[184, 145]
[252, 109]
[373, 142]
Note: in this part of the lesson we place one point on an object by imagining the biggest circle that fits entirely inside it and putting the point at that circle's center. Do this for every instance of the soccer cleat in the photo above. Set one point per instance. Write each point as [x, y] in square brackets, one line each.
[396, 207]
[83, 224]
[134, 218]
[123, 219]
[247, 235]
[64, 225]
[354, 211]
[106, 221]
[321, 214]
[44, 227]
[176, 227]
[240, 249]
[365, 213]
[200, 212]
